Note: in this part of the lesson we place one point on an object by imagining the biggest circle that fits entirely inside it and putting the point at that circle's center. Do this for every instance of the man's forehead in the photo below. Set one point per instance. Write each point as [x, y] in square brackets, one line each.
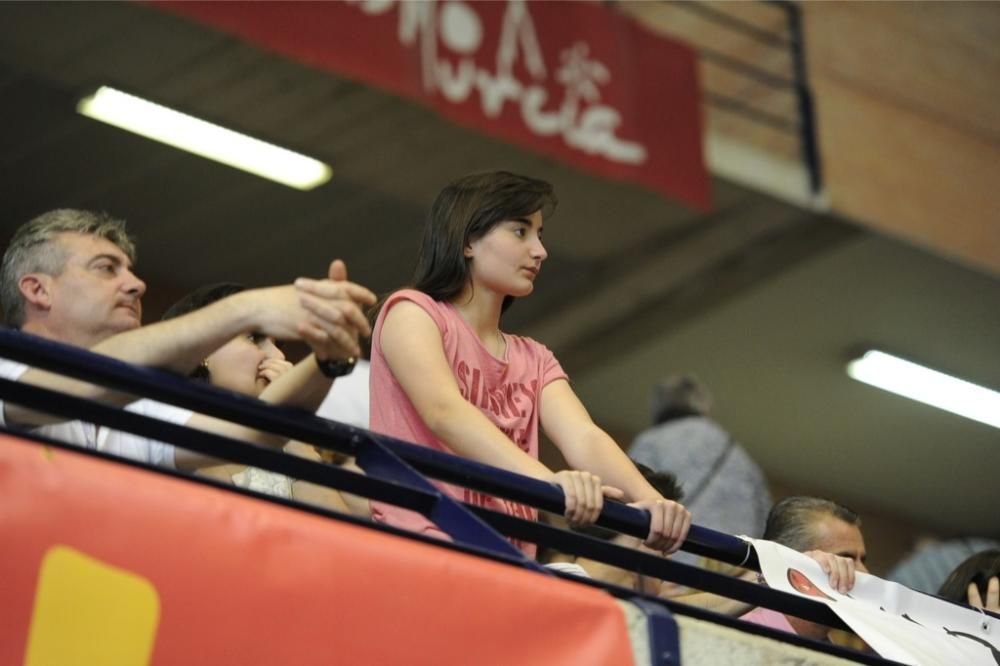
[87, 246]
[837, 536]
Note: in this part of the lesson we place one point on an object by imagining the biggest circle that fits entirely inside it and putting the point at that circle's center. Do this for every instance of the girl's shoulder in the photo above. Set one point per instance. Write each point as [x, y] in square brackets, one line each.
[418, 297]
[438, 310]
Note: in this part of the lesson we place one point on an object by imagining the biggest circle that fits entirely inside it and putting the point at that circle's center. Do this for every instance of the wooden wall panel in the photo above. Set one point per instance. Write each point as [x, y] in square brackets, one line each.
[908, 105]
[909, 176]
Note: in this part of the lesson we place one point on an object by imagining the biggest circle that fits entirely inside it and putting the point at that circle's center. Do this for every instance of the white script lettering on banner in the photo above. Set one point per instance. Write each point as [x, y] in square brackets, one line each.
[579, 117]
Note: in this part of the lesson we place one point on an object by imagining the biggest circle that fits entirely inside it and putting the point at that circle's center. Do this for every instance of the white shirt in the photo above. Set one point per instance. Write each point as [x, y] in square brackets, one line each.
[115, 442]
[347, 401]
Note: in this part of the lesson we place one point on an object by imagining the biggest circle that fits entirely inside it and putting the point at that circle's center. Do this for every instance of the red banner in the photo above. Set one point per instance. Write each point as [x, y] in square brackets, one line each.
[107, 564]
[574, 80]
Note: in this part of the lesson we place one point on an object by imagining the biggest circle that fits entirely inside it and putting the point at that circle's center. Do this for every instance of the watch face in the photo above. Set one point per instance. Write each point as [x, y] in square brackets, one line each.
[336, 368]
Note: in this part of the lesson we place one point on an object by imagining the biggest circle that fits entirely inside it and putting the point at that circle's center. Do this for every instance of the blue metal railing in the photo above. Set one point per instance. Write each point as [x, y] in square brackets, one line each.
[393, 472]
[300, 425]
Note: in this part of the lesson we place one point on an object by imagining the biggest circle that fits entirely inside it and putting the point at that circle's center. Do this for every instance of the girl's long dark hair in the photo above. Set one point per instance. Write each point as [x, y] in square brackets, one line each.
[465, 211]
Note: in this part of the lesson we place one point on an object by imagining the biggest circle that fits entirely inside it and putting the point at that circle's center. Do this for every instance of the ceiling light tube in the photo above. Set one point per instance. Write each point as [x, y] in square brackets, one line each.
[928, 386]
[203, 138]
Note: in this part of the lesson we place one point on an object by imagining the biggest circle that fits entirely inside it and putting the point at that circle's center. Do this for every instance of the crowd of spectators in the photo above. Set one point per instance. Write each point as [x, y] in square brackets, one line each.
[443, 374]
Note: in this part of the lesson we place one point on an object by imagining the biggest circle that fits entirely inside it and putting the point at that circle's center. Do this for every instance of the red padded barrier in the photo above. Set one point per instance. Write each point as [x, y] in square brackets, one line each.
[243, 581]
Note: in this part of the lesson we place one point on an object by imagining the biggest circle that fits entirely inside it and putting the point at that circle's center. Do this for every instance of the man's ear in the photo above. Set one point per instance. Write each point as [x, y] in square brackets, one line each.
[35, 287]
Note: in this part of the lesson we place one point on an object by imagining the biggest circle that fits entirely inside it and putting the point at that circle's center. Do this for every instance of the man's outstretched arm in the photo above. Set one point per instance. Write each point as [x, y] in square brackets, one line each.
[303, 386]
[329, 319]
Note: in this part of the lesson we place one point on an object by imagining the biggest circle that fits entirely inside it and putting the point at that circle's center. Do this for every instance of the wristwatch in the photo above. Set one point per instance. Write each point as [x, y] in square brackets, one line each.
[334, 369]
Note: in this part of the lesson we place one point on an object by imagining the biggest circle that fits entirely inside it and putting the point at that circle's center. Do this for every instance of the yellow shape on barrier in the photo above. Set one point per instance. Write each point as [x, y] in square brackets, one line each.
[89, 612]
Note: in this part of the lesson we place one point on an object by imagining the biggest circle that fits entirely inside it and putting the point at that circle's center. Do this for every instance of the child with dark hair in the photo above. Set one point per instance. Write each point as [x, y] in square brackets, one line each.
[444, 374]
[247, 364]
[976, 581]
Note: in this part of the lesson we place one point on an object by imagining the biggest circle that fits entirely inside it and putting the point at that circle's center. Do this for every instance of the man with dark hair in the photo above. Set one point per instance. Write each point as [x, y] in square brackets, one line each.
[67, 275]
[813, 523]
[814, 526]
[724, 487]
[35, 248]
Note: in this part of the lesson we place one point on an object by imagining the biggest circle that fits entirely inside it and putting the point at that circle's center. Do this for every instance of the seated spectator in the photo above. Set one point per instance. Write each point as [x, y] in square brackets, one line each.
[247, 364]
[445, 376]
[67, 276]
[724, 488]
[825, 531]
[976, 582]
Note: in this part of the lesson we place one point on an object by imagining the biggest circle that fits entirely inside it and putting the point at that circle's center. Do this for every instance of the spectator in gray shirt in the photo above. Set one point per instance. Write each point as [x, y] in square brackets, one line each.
[724, 488]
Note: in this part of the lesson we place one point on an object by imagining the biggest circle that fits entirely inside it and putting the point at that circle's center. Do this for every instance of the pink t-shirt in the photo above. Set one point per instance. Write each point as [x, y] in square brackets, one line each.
[507, 391]
[769, 618]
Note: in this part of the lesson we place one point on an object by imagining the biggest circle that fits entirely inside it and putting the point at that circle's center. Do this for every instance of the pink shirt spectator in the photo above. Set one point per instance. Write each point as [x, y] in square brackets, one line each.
[507, 391]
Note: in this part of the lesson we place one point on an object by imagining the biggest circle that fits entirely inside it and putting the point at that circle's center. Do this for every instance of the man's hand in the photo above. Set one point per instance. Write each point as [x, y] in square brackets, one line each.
[326, 314]
[669, 523]
[840, 570]
[336, 312]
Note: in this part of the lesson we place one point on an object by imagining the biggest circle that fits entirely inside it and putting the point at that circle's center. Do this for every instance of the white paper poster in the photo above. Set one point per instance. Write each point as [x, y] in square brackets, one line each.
[897, 622]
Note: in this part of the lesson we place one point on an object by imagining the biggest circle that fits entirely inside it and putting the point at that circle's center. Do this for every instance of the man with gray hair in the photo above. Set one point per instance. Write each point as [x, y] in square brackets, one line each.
[814, 526]
[67, 275]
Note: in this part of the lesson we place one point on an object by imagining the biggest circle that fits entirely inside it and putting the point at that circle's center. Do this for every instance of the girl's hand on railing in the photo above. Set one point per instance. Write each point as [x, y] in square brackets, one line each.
[840, 570]
[584, 495]
[669, 523]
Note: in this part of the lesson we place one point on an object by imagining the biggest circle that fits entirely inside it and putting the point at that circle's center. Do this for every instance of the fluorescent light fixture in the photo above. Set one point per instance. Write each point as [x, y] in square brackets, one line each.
[203, 138]
[928, 386]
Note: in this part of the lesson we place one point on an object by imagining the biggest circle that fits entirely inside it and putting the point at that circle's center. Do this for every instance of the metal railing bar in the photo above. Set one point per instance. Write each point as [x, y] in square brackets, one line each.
[176, 390]
[745, 69]
[292, 503]
[213, 445]
[739, 107]
[765, 37]
[548, 497]
[300, 425]
[417, 493]
[660, 567]
[448, 514]
[807, 113]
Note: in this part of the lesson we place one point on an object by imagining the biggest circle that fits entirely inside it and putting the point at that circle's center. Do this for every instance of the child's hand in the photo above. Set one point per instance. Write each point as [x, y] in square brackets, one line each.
[669, 523]
[584, 495]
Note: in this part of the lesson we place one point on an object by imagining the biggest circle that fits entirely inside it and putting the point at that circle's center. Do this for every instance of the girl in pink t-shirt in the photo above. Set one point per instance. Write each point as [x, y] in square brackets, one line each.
[444, 375]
